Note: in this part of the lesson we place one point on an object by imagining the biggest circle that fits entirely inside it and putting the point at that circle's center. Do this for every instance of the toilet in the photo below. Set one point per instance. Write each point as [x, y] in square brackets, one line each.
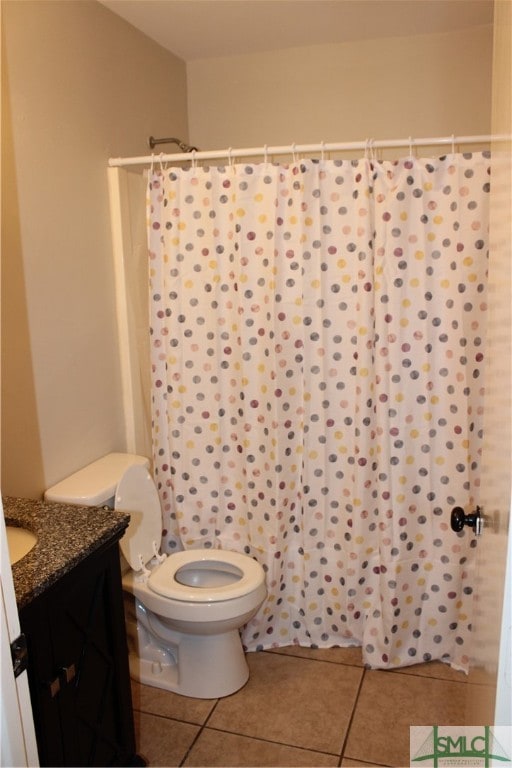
[183, 611]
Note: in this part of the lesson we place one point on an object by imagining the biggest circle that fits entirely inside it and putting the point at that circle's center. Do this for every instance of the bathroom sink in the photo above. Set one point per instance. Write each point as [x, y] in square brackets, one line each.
[20, 542]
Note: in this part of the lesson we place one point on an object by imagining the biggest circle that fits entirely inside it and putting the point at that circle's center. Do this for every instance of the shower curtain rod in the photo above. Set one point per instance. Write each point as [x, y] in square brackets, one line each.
[293, 149]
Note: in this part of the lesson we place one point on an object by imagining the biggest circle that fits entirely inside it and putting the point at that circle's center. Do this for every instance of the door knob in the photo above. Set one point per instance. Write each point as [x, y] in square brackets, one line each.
[459, 519]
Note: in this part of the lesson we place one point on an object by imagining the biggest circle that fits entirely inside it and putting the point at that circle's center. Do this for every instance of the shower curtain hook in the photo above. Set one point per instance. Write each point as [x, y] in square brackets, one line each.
[194, 159]
[453, 143]
[265, 153]
[411, 146]
[322, 150]
[294, 153]
[230, 158]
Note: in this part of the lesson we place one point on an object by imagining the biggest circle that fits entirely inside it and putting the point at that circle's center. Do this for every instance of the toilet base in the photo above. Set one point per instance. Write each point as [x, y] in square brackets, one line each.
[202, 667]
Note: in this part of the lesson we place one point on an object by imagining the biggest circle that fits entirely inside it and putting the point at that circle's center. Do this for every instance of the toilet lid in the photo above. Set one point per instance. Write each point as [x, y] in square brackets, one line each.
[136, 493]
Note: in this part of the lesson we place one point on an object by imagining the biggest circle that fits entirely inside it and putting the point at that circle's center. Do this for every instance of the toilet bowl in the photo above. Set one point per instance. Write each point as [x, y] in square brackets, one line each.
[185, 638]
[184, 611]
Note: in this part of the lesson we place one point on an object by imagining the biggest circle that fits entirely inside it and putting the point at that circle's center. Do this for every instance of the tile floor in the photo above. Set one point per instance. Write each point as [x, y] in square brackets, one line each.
[301, 707]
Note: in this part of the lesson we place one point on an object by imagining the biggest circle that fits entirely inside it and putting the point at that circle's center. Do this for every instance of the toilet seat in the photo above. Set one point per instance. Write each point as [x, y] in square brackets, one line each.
[137, 494]
[240, 573]
[194, 576]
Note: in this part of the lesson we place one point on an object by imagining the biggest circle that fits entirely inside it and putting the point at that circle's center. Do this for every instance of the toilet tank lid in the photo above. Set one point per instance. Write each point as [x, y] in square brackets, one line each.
[96, 483]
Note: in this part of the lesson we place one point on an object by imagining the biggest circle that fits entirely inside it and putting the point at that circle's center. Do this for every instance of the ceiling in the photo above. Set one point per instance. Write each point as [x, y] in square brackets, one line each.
[198, 29]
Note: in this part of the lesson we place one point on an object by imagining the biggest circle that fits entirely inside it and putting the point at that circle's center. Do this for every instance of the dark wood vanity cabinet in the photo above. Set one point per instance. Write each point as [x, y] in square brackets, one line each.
[78, 666]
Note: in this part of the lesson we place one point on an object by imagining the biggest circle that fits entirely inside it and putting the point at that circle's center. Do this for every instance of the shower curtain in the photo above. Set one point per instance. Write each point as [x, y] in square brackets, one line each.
[317, 343]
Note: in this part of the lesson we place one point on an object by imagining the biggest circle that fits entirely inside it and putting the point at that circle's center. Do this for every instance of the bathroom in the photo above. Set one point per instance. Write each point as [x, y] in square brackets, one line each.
[82, 85]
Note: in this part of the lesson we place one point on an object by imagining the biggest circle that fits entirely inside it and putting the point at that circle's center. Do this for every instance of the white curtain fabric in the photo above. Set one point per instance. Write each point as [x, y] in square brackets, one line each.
[317, 342]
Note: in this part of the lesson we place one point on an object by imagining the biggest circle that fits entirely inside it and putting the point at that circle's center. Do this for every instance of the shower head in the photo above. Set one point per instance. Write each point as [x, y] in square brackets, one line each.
[181, 144]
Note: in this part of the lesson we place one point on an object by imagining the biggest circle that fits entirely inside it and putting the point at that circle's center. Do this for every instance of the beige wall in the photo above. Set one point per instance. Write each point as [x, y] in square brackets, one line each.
[79, 84]
[427, 85]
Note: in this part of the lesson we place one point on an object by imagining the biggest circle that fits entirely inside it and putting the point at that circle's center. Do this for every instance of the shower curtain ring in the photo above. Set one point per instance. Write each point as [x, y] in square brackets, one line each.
[369, 152]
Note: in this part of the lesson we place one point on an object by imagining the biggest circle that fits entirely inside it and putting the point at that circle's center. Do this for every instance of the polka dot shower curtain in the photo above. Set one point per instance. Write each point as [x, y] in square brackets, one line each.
[317, 335]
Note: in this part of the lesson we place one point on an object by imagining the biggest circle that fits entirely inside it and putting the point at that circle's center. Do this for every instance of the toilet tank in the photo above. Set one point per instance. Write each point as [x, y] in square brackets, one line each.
[95, 485]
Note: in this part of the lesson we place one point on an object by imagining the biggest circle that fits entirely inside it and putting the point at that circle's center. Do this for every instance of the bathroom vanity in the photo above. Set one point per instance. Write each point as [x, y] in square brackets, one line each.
[68, 590]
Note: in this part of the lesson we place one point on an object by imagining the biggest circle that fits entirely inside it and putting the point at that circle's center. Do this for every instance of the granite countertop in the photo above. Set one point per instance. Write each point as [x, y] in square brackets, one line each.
[66, 535]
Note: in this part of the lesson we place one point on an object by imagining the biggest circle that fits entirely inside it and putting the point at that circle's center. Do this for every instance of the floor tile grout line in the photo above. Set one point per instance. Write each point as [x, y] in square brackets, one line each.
[272, 741]
[394, 670]
[169, 717]
[372, 765]
[307, 658]
[342, 751]
[198, 734]
[398, 671]
[190, 747]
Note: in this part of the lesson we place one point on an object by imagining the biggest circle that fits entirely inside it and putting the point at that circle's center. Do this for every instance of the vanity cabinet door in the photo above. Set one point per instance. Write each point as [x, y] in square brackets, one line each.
[43, 684]
[78, 670]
